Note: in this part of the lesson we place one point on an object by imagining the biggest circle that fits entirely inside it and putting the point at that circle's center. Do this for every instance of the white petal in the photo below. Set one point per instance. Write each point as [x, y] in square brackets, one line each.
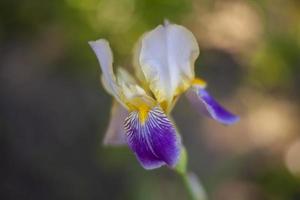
[137, 66]
[131, 91]
[136, 63]
[128, 84]
[167, 57]
[123, 87]
[115, 134]
[124, 75]
[104, 54]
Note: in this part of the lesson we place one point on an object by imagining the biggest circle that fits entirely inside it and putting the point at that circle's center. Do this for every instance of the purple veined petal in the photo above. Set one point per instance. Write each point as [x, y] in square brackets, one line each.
[115, 133]
[153, 141]
[206, 104]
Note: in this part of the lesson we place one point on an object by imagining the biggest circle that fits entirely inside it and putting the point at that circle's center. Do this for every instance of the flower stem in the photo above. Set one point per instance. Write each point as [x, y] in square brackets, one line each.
[193, 186]
[190, 180]
[188, 187]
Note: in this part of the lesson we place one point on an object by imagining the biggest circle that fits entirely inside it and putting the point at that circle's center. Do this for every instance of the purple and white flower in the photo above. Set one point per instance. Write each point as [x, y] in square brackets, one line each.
[164, 69]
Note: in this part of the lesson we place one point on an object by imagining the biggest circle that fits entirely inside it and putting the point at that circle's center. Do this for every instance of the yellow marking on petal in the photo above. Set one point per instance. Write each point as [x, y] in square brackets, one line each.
[129, 106]
[143, 112]
[164, 105]
[200, 82]
[182, 88]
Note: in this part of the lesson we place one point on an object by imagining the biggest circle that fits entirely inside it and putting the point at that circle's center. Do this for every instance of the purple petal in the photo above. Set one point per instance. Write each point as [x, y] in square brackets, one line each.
[209, 106]
[153, 141]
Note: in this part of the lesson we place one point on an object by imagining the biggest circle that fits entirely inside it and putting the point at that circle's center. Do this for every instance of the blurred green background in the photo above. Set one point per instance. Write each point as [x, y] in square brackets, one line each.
[54, 113]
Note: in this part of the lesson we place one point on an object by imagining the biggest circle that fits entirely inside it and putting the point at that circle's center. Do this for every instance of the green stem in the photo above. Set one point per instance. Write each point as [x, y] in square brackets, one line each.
[193, 187]
[190, 180]
[188, 187]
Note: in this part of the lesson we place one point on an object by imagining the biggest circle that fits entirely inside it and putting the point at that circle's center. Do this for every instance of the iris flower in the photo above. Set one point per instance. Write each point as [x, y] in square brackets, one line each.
[164, 69]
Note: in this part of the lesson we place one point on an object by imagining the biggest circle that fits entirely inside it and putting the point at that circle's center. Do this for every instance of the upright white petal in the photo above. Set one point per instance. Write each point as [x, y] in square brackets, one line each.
[167, 55]
[104, 55]
[123, 87]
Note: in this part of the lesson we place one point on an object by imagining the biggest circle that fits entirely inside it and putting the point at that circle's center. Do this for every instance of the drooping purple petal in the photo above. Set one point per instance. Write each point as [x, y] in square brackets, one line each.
[153, 141]
[206, 104]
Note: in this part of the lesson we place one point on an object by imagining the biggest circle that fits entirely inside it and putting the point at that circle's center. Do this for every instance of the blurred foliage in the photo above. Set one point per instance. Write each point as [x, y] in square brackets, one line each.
[272, 181]
[277, 63]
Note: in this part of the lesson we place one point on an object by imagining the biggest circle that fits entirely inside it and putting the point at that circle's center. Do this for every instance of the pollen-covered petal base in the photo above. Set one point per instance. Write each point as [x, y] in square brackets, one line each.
[152, 138]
